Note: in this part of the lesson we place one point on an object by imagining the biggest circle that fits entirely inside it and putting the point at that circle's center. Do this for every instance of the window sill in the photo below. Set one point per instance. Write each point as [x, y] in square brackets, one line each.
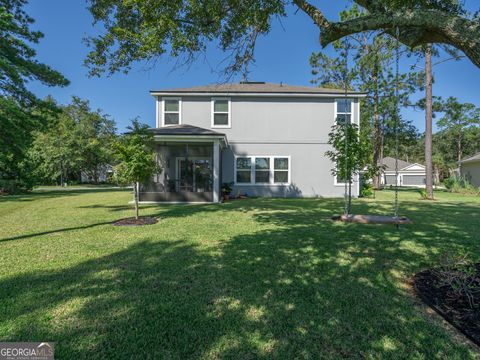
[250, 184]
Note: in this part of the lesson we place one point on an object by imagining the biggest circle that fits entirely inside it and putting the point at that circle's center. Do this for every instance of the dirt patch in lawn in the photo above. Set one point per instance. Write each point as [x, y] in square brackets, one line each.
[144, 220]
[458, 308]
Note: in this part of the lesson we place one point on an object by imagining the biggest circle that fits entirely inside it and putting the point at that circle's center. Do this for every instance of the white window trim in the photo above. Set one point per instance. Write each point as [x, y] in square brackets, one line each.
[271, 170]
[229, 125]
[352, 109]
[179, 99]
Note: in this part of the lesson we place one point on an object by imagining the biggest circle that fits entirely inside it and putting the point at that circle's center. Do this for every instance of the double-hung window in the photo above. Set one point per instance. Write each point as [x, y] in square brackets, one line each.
[243, 166]
[281, 170]
[343, 110]
[262, 170]
[221, 113]
[172, 111]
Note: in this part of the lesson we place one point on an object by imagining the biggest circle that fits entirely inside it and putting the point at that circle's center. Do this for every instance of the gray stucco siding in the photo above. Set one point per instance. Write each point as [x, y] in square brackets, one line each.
[310, 170]
[266, 119]
[275, 126]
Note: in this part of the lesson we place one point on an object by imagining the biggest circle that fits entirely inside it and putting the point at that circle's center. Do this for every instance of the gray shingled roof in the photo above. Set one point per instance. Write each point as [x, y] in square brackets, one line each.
[389, 163]
[473, 158]
[184, 130]
[255, 87]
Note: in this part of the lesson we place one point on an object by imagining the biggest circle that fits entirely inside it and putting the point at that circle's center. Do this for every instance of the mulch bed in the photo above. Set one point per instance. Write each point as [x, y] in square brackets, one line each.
[456, 310]
[144, 220]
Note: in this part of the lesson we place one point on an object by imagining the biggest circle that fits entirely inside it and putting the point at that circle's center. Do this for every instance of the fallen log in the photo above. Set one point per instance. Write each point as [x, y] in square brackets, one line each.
[373, 219]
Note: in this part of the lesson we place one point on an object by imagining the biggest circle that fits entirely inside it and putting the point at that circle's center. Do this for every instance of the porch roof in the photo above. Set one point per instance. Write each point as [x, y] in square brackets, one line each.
[186, 132]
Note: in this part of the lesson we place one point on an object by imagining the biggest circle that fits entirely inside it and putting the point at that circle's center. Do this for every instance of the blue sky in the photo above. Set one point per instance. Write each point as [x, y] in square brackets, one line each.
[281, 56]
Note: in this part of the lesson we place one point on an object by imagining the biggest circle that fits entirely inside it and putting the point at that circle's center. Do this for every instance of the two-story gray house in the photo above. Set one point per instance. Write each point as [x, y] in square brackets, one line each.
[267, 139]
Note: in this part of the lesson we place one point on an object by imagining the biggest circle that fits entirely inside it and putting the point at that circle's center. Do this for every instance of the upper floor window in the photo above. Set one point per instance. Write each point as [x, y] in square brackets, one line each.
[172, 111]
[221, 112]
[343, 109]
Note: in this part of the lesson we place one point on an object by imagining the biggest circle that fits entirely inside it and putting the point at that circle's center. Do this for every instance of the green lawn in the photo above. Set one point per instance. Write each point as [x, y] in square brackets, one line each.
[257, 278]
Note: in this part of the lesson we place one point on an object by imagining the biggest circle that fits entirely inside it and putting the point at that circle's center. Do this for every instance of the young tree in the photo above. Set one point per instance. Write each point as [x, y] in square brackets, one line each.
[135, 152]
[21, 112]
[348, 154]
[457, 118]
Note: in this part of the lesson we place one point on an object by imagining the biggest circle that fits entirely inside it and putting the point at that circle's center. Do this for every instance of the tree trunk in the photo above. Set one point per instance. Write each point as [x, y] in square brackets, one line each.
[459, 152]
[377, 142]
[428, 122]
[382, 151]
[136, 200]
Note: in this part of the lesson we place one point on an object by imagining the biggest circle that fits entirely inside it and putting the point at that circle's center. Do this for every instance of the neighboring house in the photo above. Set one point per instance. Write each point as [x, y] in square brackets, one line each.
[470, 169]
[266, 139]
[104, 174]
[408, 174]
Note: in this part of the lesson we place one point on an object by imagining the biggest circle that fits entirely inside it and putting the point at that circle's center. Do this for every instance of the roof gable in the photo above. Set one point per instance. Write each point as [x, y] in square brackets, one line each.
[414, 166]
[473, 158]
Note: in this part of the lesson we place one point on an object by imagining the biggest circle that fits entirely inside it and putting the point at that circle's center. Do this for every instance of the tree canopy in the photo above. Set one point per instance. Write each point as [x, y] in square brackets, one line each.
[138, 30]
[21, 112]
[76, 140]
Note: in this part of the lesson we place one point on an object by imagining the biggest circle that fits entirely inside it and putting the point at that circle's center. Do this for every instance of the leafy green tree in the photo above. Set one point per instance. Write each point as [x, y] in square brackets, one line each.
[75, 140]
[457, 118]
[21, 112]
[136, 158]
[139, 30]
[94, 135]
[348, 154]
[55, 151]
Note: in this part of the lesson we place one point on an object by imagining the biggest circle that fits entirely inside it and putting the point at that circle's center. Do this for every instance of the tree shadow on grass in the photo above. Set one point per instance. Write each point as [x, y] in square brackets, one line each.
[305, 288]
[55, 231]
[44, 194]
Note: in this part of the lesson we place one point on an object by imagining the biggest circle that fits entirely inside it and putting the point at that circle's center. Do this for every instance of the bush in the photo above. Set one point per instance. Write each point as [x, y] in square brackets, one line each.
[460, 184]
[423, 194]
[366, 190]
[11, 187]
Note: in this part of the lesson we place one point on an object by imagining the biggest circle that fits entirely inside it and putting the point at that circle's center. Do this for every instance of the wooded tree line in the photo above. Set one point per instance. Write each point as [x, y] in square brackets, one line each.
[368, 62]
[132, 33]
[41, 141]
[76, 140]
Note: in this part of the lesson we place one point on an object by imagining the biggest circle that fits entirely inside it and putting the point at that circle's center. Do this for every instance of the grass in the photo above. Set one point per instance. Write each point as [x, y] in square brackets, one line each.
[256, 278]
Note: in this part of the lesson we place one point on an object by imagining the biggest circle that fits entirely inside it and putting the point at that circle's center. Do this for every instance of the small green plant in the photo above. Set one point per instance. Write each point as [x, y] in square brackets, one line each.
[461, 185]
[227, 189]
[423, 194]
[367, 190]
[460, 276]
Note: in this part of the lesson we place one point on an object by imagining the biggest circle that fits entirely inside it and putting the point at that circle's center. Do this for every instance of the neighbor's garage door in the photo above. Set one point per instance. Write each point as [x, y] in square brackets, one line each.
[390, 179]
[413, 180]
